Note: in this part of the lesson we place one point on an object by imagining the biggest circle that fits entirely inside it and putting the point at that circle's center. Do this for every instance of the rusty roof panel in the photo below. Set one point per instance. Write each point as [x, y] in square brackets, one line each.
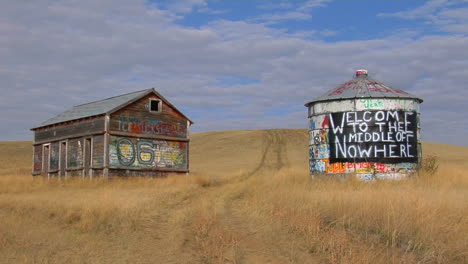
[363, 86]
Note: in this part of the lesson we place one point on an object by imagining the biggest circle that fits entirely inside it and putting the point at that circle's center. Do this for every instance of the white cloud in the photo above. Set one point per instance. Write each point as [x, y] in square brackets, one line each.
[289, 11]
[185, 6]
[311, 4]
[67, 53]
[275, 18]
[445, 15]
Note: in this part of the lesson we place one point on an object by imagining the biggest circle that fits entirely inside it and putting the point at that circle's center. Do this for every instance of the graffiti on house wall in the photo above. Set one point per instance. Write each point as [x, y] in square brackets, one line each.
[37, 164]
[379, 136]
[136, 125]
[75, 153]
[147, 153]
[54, 156]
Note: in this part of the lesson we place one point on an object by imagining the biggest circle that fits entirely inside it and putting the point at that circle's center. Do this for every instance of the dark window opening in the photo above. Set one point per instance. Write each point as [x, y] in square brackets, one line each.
[155, 106]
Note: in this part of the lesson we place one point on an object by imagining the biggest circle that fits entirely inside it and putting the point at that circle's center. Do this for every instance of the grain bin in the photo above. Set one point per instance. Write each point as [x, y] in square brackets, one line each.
[366, 129]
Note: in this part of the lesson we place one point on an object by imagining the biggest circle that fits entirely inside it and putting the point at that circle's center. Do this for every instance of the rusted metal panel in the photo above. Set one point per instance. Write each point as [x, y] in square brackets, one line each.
[75, 153]
[137, 119]
[140, 153]
[74, 129]
[362, 86]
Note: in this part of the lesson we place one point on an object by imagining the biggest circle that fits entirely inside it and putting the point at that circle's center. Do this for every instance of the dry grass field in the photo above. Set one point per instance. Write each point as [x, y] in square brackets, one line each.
[249, 199]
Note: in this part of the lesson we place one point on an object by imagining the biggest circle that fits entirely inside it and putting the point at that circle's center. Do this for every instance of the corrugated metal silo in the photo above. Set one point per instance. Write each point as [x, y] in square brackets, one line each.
[364, 128]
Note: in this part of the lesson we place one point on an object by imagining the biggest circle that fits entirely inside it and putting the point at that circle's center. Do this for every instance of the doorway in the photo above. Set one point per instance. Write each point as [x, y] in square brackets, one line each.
[87, 157]
[45, 160]
[63, 158]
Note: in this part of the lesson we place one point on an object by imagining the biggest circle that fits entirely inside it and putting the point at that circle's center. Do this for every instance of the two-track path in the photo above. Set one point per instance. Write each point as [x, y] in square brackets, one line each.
[168, 231]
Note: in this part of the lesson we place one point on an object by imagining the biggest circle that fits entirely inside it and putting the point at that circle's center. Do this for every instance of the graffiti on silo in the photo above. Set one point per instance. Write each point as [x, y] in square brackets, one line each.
[373, 136]
[366, 129]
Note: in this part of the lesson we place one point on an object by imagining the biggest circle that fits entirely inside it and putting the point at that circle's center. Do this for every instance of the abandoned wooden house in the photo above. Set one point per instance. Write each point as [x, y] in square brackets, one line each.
[135, 134]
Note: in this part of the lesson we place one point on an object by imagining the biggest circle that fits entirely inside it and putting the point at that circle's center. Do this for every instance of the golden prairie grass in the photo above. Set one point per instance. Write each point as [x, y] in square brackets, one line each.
[249, 200]
[354, 222]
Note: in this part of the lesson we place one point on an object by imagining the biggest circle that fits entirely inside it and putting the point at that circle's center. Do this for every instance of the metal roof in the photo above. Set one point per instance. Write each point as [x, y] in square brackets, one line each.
[362, 86]
[101, 107]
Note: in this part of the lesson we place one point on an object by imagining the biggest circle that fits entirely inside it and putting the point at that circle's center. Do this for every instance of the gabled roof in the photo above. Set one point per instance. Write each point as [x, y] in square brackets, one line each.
[106, 106]
[363, 86]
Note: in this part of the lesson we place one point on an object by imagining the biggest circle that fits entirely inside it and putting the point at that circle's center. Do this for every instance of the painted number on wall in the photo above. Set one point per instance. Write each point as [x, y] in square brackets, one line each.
[131, 152]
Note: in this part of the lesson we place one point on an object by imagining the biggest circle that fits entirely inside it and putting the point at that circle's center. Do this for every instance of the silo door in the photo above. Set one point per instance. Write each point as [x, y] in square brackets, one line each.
[87, 156]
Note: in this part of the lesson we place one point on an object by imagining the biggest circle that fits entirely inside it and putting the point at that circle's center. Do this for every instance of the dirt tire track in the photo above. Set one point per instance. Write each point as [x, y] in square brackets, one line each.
[255, 248]
[166, 235]
[267, 141]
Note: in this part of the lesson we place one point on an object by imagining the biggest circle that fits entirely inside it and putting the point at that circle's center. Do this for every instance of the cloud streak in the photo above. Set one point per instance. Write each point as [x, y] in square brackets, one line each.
[68, 53]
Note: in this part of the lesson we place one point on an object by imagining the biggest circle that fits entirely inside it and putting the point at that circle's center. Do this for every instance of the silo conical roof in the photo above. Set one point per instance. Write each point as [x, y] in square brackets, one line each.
[362, 86]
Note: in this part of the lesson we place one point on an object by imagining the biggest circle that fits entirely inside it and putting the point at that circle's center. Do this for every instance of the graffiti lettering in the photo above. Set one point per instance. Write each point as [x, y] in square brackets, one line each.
[388, 136]
[146, 153]
[372, 103]
[154, 127]
[126, 152]
[323, 166]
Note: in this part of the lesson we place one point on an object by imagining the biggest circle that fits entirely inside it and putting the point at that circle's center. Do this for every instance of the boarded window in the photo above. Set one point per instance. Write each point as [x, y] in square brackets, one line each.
[54, 156]
[75, 153]
[98, 151]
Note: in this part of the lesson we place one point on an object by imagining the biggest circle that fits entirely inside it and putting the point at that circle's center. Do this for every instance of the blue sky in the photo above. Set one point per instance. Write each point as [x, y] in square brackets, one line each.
[231, 64]
[341, 20]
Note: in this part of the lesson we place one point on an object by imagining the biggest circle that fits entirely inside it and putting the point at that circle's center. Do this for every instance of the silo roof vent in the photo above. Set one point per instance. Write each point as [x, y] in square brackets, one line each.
[363, 86]
[361, 72]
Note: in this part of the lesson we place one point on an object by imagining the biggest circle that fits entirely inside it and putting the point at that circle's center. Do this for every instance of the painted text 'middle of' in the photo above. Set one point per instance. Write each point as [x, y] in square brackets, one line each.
[380, 136]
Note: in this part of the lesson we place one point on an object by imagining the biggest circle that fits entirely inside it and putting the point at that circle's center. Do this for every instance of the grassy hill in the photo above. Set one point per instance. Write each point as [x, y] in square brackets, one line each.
[249, 199]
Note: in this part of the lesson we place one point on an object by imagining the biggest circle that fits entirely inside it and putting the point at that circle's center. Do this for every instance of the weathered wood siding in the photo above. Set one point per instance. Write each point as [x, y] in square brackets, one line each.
[138, 173]
[147, 154]
[75, 153]
[54, 156]
[37, 159]
[77, 128]
[98, 151]
[45, 158]
[137, 119]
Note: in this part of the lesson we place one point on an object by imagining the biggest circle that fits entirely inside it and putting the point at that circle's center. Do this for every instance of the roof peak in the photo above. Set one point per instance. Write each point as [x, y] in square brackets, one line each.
[113, 97]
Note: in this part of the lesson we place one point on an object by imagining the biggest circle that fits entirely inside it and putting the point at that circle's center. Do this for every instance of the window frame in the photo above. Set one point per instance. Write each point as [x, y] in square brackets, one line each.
[159, 105]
